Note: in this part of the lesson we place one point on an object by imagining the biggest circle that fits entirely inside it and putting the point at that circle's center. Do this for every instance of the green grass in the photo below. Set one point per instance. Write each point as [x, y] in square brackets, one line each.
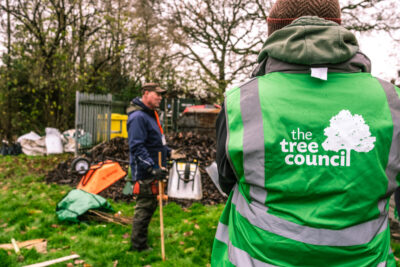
[27, 211]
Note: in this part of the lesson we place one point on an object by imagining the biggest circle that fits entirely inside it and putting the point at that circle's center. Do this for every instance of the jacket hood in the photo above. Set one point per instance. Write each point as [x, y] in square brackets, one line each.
[137, 104]
[310, 40]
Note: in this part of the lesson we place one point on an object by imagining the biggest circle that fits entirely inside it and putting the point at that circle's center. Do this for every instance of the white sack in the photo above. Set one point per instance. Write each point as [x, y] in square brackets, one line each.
[69, 144]
[53, 141]
[30, 136]
[68, 139]
[34, 147]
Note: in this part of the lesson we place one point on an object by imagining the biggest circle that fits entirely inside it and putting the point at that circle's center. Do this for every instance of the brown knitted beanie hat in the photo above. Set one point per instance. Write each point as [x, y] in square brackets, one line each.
[284, 12]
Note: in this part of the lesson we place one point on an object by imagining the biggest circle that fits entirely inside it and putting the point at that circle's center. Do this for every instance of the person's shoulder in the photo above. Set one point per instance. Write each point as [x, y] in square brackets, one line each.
[249, 84]
[137, 115]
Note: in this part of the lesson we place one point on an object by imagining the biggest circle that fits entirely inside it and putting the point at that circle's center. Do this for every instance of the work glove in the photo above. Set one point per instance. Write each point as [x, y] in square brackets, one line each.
[159, 174]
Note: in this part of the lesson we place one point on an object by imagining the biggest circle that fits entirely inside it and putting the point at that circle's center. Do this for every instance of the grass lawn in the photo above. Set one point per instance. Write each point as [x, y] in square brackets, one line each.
[27, 211]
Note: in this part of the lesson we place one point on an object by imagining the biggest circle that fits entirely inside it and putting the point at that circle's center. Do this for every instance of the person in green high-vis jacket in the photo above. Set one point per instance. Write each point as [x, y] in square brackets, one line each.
[308, 149]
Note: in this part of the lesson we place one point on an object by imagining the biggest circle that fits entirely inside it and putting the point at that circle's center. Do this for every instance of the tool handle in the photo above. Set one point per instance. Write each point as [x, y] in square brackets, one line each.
[160, 200]
[164, 197]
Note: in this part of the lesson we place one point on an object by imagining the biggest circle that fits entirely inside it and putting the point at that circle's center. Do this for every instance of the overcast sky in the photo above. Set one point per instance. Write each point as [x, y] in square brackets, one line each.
[384, 54]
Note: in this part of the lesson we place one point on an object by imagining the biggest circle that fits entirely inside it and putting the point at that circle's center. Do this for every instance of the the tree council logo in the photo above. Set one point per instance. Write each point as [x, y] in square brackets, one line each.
[345, 133]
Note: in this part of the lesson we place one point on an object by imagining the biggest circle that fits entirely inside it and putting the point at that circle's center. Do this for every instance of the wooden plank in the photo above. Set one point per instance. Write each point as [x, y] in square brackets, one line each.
[14, 243]
[30, 243]
[39, 244]
[50, 262]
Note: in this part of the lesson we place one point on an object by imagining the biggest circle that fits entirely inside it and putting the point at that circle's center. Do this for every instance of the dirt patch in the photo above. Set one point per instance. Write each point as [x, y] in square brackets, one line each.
[194, 146]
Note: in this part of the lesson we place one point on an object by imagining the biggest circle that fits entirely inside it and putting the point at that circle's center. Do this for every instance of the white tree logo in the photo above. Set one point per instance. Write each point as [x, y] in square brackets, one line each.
[349, 133]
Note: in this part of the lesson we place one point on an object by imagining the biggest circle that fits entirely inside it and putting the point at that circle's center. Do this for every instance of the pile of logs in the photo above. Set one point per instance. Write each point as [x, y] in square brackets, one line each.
[193, 145]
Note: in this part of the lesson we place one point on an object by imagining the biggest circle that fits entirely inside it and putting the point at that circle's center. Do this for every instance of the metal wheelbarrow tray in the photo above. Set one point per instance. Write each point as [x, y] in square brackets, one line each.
[185, 181]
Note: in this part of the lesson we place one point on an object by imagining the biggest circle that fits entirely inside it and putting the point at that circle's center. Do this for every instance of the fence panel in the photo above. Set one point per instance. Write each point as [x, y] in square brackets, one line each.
[93, 116]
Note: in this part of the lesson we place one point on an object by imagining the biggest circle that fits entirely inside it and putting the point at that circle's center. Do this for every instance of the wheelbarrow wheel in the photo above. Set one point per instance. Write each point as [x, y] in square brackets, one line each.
[80, 166]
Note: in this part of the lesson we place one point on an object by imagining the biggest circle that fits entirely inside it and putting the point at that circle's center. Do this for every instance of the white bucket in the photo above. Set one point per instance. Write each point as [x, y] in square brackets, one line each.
[185, 181]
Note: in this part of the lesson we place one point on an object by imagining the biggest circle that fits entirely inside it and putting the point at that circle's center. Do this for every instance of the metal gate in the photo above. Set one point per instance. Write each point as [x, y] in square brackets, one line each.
[92, 119]
[172, 108]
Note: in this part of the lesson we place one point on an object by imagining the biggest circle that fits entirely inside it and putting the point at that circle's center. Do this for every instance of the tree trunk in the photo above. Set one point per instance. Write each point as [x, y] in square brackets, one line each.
[8, 129]
[81, 42]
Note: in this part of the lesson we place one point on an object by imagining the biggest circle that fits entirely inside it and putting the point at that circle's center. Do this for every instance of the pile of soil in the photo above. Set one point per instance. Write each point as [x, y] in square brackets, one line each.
[202, 148]
[194, 146]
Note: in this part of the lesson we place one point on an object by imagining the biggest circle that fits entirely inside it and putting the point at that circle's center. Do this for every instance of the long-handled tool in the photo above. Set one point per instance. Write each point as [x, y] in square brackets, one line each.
[160, 201]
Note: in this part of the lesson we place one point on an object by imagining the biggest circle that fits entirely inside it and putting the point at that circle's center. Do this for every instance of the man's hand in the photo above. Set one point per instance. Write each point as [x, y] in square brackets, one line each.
[159, 174]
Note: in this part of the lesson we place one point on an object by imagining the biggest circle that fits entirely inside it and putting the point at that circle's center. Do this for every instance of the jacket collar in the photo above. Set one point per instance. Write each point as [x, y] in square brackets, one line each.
[137, 104]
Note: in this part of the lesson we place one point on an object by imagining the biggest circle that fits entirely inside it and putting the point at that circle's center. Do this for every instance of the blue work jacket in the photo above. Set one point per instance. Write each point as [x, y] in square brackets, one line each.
[145, 140]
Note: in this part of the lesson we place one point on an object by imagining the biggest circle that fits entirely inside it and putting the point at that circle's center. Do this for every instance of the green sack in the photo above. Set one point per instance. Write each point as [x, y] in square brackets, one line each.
[128, 189]
[77, 202]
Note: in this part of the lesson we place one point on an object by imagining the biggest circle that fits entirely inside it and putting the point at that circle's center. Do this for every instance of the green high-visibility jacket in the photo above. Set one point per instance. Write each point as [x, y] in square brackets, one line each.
[315, 160]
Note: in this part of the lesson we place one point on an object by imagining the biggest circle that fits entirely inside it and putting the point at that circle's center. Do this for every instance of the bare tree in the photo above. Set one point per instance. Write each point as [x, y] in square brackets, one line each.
[368, 15]
[219, 36]
[8, 108]
[153, 56]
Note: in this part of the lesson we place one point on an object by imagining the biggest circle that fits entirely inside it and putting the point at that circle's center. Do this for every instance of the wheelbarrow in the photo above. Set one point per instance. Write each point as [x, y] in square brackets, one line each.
[99, 176]
[185, 180]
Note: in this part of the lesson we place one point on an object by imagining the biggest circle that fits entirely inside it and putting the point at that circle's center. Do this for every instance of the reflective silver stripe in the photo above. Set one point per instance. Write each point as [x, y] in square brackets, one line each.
[359, 234]
[145, 161]
[222, 233]
[253, 140]
[237, 256]
[241, 258]
[393, 166]
[382, 206]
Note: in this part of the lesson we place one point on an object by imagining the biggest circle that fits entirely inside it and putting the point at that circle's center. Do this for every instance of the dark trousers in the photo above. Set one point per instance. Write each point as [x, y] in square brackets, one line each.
[146, 204]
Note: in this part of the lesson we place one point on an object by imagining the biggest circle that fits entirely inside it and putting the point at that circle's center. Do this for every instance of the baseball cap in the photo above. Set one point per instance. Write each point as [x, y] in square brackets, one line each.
[155, 87]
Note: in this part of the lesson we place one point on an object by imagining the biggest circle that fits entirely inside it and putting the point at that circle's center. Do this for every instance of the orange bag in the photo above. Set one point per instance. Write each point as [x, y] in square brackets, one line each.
[136, 188]
[153, 188]
[101, 176]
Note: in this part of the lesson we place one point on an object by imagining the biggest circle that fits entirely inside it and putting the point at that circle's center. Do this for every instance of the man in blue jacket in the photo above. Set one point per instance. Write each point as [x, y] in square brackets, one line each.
[146, 141]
